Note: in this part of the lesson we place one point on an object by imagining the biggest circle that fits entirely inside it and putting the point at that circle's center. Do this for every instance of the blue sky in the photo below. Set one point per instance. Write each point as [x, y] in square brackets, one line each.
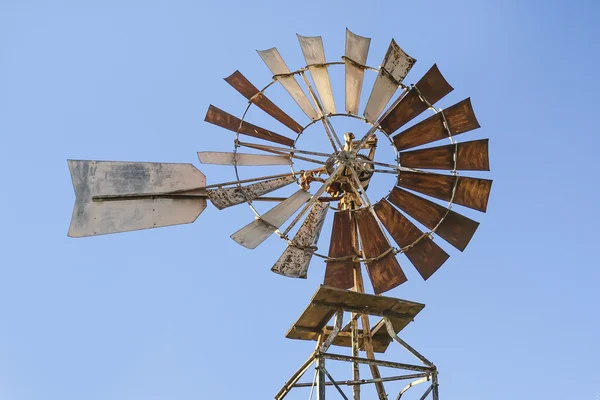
[184, 312]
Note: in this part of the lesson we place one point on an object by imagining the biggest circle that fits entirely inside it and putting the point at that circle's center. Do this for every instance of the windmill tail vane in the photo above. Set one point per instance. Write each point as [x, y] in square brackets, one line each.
[115, 196]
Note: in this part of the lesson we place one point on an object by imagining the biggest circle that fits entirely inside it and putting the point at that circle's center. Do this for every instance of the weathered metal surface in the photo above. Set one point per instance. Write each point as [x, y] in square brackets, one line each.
[432, 87]
[260, 229]
[470, 192]
[357, 50]
[116, 178]
[425, 255]
[469, 156]
[456, 229]
[314, 54]
[251, 92]
[380, 363]
[343, 245]
[460, 117]
[384, 271]
[275, 63]
[337, 327]
[223, 198]
[392, 332]
[225, 120]
[226, 158]
[295, 259]
[394, 68]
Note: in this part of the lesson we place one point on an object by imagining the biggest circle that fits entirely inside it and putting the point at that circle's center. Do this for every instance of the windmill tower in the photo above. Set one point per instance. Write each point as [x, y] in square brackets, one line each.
[116, 197]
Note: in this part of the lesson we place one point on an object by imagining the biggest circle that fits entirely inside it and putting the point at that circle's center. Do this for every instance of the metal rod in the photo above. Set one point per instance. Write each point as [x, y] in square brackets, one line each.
[427, 393]
[260, 147]
[217, 185]
[413, 383]
[355, 353]
[357, 383]
[320, 378]
[381, 363]
[339, 389]
[409, 348]
[295, 377]
[339, 318]
[435, 385]
[289, 153]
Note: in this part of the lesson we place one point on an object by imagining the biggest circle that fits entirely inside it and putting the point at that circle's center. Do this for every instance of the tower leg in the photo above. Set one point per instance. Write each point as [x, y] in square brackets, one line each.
[320, 378]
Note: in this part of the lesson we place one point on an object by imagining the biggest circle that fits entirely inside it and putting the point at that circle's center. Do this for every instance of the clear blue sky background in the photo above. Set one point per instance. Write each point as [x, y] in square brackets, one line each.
[186, 313]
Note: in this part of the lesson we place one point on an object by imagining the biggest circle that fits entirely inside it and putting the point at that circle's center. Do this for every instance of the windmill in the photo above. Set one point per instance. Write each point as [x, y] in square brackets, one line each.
[116, 197]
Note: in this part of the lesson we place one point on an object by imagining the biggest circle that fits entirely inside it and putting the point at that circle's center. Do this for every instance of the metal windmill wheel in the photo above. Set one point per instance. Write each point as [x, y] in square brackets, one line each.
[124, 196]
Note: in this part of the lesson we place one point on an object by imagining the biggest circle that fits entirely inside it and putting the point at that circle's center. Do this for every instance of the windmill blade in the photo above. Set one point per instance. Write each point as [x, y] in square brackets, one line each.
[344, 246]
[432, 88]
[470, 192]
[314, 55]
[226, 158]
[469, 156]
[394, 68]
[225, 120]
[240, 83]
[357, 50]
[260, 229]
[460, 117]
[223, 198]
[385, 272]
[295, 259]
[144, 183]
[425, 255]
[456, 229]
[275, 63]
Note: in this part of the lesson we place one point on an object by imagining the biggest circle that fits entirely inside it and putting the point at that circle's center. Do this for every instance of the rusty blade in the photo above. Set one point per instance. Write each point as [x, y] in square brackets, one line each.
[470, 192]
[385, 272]
[223, 198]
[394, 68]
[432, 88]
[275, 63]
[425, 255]
[260, 229]
[136, 179]
[456, 229]
[314, 54]
[343, 245]
[460, 117]
[295, 259]
[225, 120]
[226, 158]
[469, 156]
[357, 50]
[251, 92]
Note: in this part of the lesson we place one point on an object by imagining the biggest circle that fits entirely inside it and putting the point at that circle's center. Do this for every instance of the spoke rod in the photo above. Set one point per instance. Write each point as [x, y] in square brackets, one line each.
[326, 124]
[289, 154]
[262, 147]
[376, 124]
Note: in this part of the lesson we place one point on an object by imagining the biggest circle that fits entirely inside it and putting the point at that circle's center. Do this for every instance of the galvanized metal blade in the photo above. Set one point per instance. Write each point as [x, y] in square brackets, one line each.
[240, 83]
[425, 254]
[223, 198]
[455, 228]
[282, 73]
[470, 192]
[343, 248]
[394, 68]
[226, 158]
[225, 120]
[460, 117]
[432, 87]
[357, 50]
[260, 229]
[314, 54]
[469, 156]
[133, 195]
[295, 259]
[383, 269]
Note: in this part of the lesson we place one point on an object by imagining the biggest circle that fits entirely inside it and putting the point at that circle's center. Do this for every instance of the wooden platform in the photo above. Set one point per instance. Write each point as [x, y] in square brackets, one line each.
[327, 300]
